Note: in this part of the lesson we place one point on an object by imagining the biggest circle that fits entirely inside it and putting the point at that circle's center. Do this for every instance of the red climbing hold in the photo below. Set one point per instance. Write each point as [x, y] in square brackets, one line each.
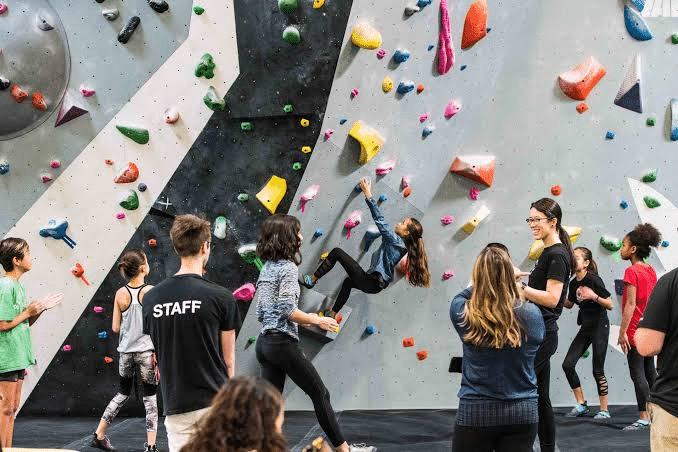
[108, 360]
[79, 272]
[339, 318]
[556, 190]
[478, 168]
[422, 355]
[109, 162]
[407, 192]
[55, 164]
[420, 88]
[582, 107]
[408, 342]
[153, 243]
[128, 175]
[475, 25]
[39, 102]
[18, 94]
[46, 178]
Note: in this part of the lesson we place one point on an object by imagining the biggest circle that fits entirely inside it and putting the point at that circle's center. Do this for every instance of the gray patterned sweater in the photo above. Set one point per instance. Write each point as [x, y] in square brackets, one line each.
[278, 296]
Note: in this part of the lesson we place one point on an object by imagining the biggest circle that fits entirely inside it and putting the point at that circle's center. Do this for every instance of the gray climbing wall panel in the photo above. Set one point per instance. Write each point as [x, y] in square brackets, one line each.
[513, 109]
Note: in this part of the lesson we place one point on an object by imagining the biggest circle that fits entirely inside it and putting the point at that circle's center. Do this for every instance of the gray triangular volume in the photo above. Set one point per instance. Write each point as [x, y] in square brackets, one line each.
[628, 95]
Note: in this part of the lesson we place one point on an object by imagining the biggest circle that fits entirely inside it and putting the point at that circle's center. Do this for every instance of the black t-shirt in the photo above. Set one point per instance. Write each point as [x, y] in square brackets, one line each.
[661, 314]
[590, 312]
[554, 263]
[184, 316]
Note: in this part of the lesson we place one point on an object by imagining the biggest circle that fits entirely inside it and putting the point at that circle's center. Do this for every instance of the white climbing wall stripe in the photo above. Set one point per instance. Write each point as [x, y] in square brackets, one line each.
[86, 195]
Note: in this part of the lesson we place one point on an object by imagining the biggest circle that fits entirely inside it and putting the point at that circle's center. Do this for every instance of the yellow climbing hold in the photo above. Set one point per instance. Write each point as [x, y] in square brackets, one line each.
[306, 149]
[366, 36]
[473, 223]
[324, 255]
[387, 84]
[304, 122]
[274, 191]
[538, 246]
[317, 4]
[369, 139]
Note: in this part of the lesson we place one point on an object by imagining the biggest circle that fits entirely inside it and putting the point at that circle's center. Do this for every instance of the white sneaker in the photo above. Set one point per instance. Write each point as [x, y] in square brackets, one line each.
[361, 448]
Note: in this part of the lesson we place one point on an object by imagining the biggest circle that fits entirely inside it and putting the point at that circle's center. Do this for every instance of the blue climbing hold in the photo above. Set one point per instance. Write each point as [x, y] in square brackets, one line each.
[624, 204]
[343, 121]
[423, 3]
[665, 244]
[488, 29]
[405, 87]
[430, 47]
[4, 168]
[142, 187]
[609, 135]
[640, 4]
[357, 188]
[370, 329]
[103, 334]
[636, 25]
[383, 198]
[463, 66]
[674, 119]
[318, 232]
[428, 130]
[400, 56]
[371, 235]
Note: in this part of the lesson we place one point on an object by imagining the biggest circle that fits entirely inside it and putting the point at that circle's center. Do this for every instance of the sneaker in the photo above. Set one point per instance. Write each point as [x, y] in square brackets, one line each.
[103, 444]
[602, 414]
[152, 448]
[361, 448]
[579, 409]
[306, 281]
[638, 425]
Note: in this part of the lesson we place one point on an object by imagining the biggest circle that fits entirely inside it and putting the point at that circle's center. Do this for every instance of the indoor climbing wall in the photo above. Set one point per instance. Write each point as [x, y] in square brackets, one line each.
[500, 97]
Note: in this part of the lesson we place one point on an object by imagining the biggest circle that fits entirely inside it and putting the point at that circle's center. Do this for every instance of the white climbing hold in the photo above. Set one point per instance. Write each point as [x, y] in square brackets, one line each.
[171, 115]
[220, 228]
[629, 95]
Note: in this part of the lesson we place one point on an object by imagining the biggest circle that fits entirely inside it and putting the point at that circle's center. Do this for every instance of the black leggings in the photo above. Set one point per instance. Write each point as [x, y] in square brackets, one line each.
[542, 367]
[643, 375]
[501, 438]
[357, 277]
[598, 336]
[280, 355]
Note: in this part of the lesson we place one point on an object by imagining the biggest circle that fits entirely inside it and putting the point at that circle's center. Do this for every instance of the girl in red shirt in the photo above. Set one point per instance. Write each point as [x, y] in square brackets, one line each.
[639, 280]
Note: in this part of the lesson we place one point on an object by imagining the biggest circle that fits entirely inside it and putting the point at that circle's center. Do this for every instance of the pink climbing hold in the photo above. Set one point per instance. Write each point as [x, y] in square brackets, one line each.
[245, 293]
[328, 133]
[381, 53]
[120, 215]
[447, 220]
[452, 108]
[67, 348]
[3, 8]
[449, 273]
[55, 164]
[46, 178]
[98, 309]
[353, 220]
[309, 194]
[445, 48]
[424, 117]
[354, 93]
[87, 92]
[405, 182]
[385, 167]
[473, 193]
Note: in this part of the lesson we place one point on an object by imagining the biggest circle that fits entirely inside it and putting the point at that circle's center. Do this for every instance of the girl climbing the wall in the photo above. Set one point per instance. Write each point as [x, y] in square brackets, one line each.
[546, 288]
[16, 317]
[588, 291]
[406, 238]
[639, 280]
[135, 348]
[277, 346]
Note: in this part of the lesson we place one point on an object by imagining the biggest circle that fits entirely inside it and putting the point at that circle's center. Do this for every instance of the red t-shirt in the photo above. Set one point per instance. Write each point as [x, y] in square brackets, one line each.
[643, 278]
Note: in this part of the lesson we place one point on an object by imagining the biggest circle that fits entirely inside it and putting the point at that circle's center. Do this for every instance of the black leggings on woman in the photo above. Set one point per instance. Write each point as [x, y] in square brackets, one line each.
[280, 355]
[643, 375]
[598, 336]
[357, 277]
[542, 367]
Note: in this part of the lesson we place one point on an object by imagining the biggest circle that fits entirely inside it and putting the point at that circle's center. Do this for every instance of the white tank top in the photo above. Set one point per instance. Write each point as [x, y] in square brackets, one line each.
[132, 338]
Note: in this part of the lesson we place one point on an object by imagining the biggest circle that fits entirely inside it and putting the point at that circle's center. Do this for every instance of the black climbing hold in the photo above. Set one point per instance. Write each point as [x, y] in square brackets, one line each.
[159, 6]
[126, 32]
[4, 83]
[99, 1]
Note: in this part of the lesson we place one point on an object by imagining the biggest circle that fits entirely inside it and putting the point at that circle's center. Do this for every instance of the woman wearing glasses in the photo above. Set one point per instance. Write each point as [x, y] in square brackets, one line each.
[546, 288]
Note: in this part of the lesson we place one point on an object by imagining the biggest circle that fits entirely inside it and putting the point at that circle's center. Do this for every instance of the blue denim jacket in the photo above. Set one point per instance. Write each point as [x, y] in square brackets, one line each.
[392, 247]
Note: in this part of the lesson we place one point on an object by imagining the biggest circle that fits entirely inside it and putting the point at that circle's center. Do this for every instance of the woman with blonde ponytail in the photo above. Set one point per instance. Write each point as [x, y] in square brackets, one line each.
[500, 336]
[405, 238]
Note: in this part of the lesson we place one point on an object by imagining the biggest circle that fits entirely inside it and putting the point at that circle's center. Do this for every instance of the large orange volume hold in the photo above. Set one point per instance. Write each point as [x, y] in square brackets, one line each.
[475, 26]
[578, 83]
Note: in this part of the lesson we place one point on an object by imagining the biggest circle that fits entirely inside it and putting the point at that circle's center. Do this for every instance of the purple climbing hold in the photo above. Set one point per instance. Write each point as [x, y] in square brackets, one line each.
[127, 31]
[68, 111]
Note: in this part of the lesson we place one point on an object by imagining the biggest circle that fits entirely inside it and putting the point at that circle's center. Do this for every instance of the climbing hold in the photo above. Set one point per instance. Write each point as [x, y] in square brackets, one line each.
[142, 187]
[650, 176]
[205, 67]
[623, 204]
[128, 175]
[79, 272]
[18, 94]
[103, 335]
[478, 168]
[387, 84]
[246, 125]
[586, 353]
[609, 135]
[171, 115]
[152, 243]
[3, 8]
[56, 228]
[251, 339]
[424, 117]
[328, 134]
[582, 107]
[136, 134]
[296, 166]
[46, 178]
[38, 101]
[452, 108]
[473, 193]
[610, 243]
[371, 234]
[447, 220]
[352, 221]
[243, 197]
[86, 92]
[422, 355]
[636, 25]
[665, 244]
[343, 121]
[245, 293]
[291, 35]
[213, 101]
[288, 6]
[308, 195]
[354, 93]
[474, 221]
[4, 167]
[159, 6]
[428, 130]
[370, 329]
[317, 4]
[108, 359]
[578, 83]
[420, 88]
[400, 56]
[68, 111]
[445, 47]
[405, 87]
[67, 348]
[220, 227]
[288, 108]
[318, 232]
[385, 167]
[651, 202]
[198, 10]
[556, 190]
[4, 83]
[674, 119]
[407, 192]
[339, 317]
[43, 23]
[538, 246]
[405, 182]
[365, 36]
[408, 342]
[248, 253]
[639, 4]
[381, 53]
[369, 139]
[304, 122]
[324, 255]
[449, 273]
[110, 14]
[411, 9]
[272, 193]
[130, 200]
[475, 25]
[306, 149]
[55, 164]
[629, 95]
[126, 33]
[462, 67]
[382, 198]
[98, 309]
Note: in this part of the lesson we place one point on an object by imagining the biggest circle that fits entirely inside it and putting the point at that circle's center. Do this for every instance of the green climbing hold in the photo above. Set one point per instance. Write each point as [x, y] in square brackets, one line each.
[586, 354]
[650, 176]
[251, 339]
[612, 244]
[674, 38]
[130, 201]
[141, 136]
[291, 35]
[296, 166]
[245, 126]
[243, 197]
[288, 6]
[651, 202]
[205, 67]
[198, 10]
[651, 121]
[288, 108]
[213, 101]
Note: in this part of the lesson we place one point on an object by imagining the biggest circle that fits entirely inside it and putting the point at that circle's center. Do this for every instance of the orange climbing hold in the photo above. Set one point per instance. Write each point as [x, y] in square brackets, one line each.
[153, 243]
[339, 318]
[39, 102]
[422, 354]
[108, 360]
[408, 342]
[556, 190]
[478, 168]
[475, 25]
[18, 94]
[129, 174]
[583, 107]
[578, 83]
[420, 88]
[407, 192]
